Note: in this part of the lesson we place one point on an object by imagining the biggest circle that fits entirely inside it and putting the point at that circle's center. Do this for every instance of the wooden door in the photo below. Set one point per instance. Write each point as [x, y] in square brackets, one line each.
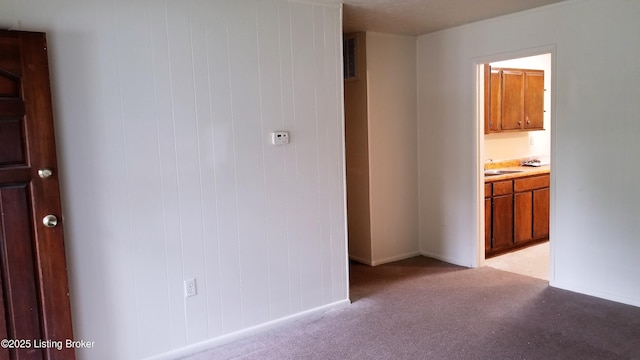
[534, 99]
[34, 304]
[512, 99]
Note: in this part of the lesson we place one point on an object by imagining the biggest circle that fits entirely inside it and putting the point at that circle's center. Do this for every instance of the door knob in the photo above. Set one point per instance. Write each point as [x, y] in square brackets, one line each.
[45, 173]
[50, 221]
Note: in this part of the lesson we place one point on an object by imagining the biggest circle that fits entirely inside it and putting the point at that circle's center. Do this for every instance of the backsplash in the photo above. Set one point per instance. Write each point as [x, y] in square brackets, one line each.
[491, 164]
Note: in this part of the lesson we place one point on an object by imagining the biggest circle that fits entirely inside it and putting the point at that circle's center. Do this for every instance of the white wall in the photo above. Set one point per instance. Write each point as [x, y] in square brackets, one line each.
[163, 111]
[391, 84]
[595, 193]
[517, 145]
[356, 129]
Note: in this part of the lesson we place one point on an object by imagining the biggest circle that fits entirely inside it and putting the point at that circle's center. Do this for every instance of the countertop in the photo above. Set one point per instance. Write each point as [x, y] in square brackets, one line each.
[513, 166]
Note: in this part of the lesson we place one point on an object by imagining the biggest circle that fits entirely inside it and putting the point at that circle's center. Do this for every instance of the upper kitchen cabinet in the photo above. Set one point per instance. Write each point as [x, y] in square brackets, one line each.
[514, 99]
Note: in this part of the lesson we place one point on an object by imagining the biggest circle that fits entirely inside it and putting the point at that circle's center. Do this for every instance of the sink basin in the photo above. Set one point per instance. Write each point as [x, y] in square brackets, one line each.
[500, 172]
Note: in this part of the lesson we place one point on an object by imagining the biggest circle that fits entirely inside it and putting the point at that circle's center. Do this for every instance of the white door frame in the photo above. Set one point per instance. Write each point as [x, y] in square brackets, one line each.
[478, 64]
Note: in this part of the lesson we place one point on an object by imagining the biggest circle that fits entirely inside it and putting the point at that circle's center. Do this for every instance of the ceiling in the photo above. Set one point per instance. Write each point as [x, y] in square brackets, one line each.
[417, 17]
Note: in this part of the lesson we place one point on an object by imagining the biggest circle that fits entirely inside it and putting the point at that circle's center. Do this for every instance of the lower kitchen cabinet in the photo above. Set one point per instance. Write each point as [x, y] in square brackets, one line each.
[502, 236]
[523, 217]
[518, 213]
[487, 221]
[541, 204]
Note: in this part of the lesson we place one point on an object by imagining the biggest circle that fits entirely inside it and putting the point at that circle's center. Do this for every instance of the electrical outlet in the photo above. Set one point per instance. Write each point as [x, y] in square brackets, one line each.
[190, 288]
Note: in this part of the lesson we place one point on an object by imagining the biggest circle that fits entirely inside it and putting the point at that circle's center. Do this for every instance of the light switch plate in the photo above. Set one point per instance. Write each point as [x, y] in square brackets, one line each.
[280, 137]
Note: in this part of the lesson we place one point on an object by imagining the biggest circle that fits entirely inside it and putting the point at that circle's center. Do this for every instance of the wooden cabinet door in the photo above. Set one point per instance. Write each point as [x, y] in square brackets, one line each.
[534, 99]
[512, 99]
[487, 224]
[502, 222]
[541, 200]
[523, 216]
[495, 103]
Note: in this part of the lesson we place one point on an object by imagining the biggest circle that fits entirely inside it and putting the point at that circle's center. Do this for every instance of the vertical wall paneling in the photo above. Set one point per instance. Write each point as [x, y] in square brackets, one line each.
[119, 248]
[137, 110]
[164, 129]
[248, 144]
[179, 33]
[225, 173]
[306, 147]
[269, 51]
[163, 114]
[321, 135]
[288, 102]
[93, 142]
[209, 284]
[335, 150]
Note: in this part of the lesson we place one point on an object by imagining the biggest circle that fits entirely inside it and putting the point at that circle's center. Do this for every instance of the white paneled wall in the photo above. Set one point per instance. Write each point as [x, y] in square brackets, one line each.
[163, 111]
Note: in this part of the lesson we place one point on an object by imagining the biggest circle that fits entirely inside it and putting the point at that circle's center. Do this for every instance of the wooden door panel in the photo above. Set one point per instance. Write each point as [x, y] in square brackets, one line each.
[512, 99]
[12, 140]
[534, 99]
[12, 149]
[541, 205]
[9, 86]
[10, 57]
[21, 315]
[495, 101]
[487, 225]
[502, 222]
[4, 333]
[523, 216]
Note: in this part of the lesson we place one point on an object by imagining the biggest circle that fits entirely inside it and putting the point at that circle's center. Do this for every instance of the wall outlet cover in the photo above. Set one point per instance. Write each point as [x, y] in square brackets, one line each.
[190, 288]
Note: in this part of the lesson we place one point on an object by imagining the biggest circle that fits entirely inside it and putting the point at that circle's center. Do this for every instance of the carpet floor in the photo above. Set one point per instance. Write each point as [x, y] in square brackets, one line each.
[421, 308]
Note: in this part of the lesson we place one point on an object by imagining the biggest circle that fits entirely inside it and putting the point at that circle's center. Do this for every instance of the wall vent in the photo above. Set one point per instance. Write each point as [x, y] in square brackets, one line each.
[349, 56]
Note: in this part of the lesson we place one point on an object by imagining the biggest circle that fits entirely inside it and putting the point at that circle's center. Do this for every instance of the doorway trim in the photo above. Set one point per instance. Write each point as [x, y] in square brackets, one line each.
[478, 64]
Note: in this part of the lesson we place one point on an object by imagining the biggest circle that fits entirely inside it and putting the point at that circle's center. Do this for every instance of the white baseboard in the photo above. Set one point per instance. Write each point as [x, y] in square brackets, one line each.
[394, 258]
[361, 260]
[443, 258]
[385, 260]
[224, 339]
[595, 293]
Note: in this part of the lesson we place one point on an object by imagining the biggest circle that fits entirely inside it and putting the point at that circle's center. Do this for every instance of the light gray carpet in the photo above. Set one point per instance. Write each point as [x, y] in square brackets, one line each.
[425, 309]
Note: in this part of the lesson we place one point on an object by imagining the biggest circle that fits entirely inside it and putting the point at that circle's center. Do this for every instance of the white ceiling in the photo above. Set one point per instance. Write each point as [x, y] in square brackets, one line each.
[417, 17]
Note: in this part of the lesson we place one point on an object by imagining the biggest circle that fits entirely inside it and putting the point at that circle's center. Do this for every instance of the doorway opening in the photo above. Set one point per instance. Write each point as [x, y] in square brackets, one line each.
[515, 209]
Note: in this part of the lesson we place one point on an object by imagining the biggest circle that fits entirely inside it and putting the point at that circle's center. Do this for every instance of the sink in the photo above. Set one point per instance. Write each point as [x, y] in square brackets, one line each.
[500, 172]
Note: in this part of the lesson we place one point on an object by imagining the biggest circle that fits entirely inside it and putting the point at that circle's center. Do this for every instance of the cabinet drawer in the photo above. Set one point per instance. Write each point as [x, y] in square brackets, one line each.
[502, 187]
[537, 182]
[487, 190]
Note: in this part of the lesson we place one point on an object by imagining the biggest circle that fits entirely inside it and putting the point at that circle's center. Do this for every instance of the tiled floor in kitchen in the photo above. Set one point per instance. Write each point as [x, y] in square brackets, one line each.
[532, 261]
